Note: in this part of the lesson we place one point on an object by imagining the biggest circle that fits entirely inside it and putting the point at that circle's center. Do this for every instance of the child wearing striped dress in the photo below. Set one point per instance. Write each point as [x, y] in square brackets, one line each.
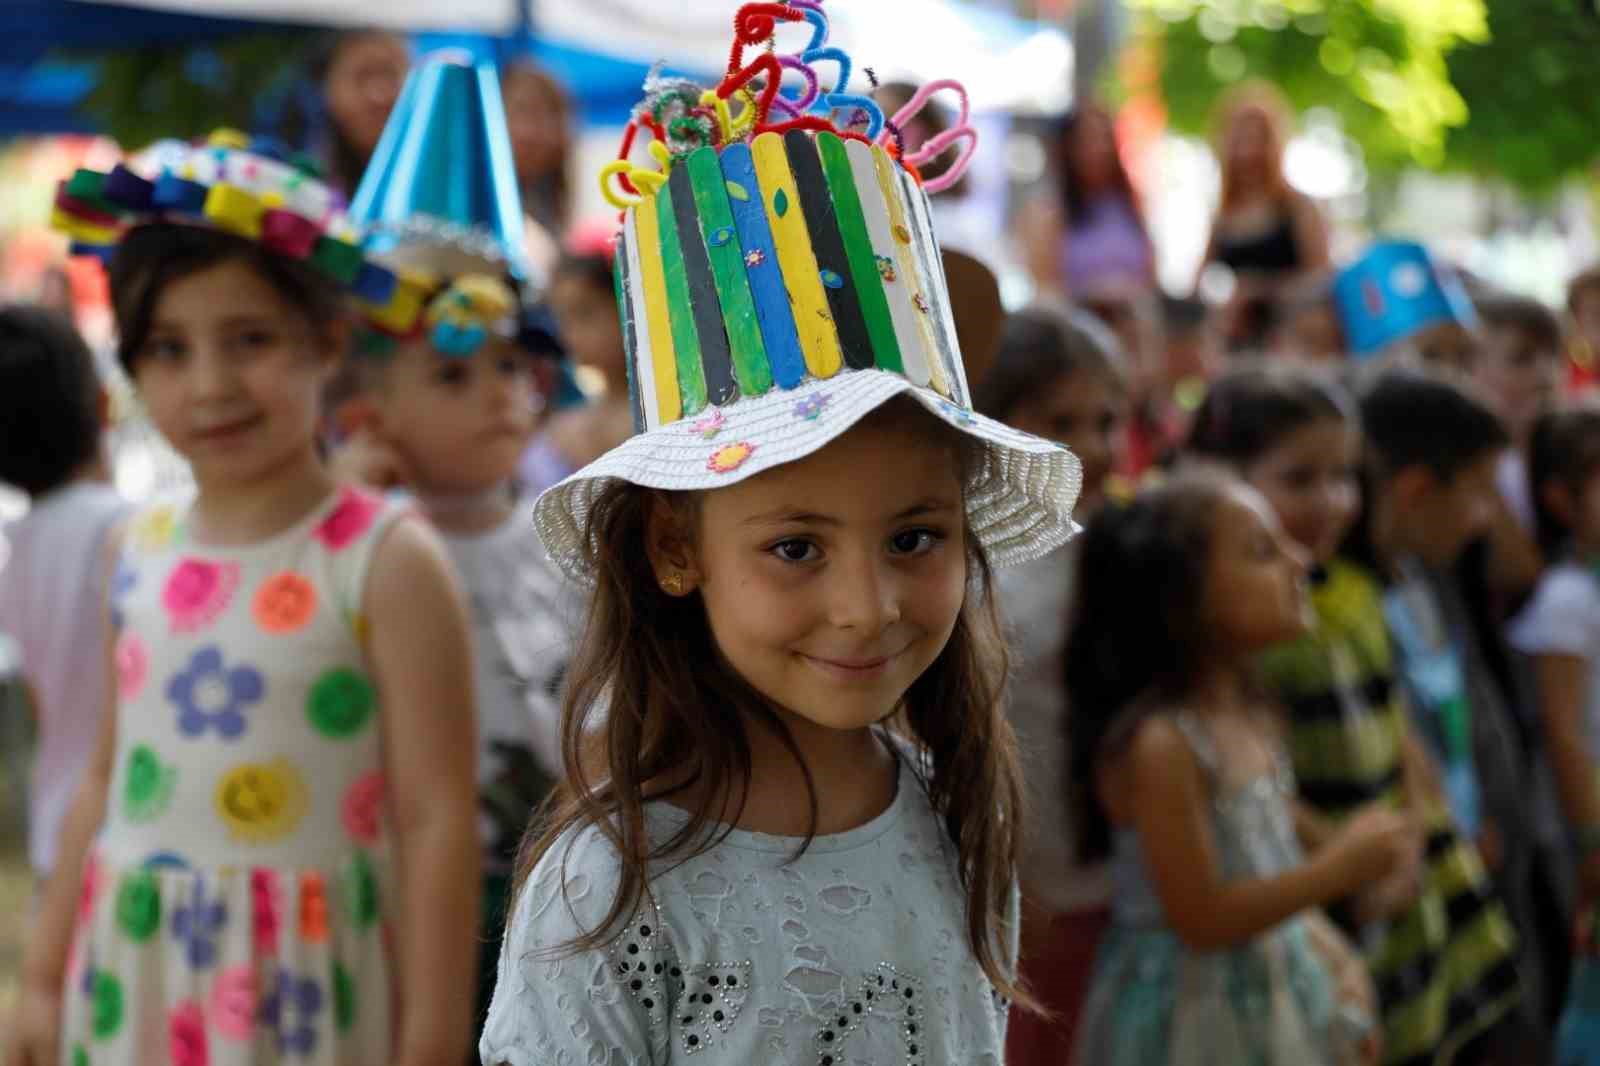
[1440, 947]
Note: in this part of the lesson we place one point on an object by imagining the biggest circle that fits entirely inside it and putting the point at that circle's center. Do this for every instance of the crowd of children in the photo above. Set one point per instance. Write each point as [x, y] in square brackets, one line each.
[768, 708]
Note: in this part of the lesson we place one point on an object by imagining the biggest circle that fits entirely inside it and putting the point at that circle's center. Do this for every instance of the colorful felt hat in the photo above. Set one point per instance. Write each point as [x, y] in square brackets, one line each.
[229, 182]
[1395, 290]
[439, 205]
[778, 278]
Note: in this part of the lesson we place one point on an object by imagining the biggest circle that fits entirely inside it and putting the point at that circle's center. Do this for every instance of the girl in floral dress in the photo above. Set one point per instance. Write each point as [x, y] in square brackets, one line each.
[273, 854]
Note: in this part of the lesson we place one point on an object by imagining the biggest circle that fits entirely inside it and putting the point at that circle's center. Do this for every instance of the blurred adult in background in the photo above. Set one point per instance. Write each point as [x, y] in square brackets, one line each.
[539, 117]
[359, 73]
[1583, 344]
[1090, 237]
[1264, 231]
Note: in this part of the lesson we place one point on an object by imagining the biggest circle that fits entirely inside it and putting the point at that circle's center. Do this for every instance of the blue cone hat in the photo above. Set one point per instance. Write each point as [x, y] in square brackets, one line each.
[1396, 289]
[440, 195]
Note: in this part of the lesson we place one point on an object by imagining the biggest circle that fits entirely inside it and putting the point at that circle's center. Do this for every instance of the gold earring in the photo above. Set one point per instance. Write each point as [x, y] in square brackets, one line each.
[672, 584]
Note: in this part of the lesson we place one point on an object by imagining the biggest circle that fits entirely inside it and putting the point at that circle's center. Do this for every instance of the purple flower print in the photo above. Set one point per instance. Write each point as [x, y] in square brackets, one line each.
[122, 584]
[197, 923]
[208, 695]
[291, 1009]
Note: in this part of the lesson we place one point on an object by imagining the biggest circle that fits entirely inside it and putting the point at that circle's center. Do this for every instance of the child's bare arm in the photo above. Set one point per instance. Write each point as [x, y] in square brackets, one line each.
[1563, 682]
[422, 658]
[1170, 807]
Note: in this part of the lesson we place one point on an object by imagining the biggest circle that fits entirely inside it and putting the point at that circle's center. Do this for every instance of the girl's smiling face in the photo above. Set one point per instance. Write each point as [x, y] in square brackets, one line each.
[831, 583]
[232, 374]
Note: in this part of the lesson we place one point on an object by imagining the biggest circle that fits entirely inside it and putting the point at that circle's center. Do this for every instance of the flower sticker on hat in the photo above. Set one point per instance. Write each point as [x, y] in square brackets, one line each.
[261, 802]
[810, 409]
[957, 413]
[197, 591]
[709, 425]
[210, 695]
[729, 457]
[352, 517]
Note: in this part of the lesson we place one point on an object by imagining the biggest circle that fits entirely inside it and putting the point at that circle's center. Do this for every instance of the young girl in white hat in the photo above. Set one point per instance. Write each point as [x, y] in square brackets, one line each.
[790, 822]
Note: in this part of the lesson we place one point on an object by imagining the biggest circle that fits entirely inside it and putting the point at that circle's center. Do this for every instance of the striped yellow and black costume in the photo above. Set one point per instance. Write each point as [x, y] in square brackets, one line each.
[1444, 969]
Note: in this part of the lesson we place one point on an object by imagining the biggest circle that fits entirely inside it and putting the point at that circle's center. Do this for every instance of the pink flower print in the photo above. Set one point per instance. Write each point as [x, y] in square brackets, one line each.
[266, 904]
[133, 665]
[90, 891]
[362, 808]
[352, 517]
[186, 1034]
[197, 591]
[233, 1003]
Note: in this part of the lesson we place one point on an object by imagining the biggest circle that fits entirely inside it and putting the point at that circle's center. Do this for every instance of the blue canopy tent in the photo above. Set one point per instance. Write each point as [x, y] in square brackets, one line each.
[603, 66]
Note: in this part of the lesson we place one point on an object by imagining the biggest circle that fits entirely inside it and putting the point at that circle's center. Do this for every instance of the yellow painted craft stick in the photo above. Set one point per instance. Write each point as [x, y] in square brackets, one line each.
[801, 276]
[906, 256]
[662, 355]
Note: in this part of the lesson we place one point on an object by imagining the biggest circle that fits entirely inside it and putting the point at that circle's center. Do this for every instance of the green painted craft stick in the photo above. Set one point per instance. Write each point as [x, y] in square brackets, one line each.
[728, 268]
[685, 341]
[858, 248]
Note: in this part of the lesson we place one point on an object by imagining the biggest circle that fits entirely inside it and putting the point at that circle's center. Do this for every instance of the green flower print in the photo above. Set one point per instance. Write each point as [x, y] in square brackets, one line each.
[139, 906]
[361, 893]
[341, 702]
[107, 1006]
[344, 998]
[147, 790]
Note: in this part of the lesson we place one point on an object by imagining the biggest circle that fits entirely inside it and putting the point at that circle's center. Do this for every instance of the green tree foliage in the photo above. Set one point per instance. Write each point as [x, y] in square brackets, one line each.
[1507, 87]
[163, 90]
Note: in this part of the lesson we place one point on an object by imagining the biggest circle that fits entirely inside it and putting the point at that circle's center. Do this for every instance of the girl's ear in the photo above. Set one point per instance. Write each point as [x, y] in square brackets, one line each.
[669, 543]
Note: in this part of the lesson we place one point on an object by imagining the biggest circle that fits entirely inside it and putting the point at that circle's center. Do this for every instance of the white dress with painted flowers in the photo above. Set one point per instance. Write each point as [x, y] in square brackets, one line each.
[236, 902]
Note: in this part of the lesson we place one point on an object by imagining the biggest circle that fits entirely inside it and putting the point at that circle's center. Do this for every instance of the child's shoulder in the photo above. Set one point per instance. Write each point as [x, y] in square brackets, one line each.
[1564, 612]
[570, 889]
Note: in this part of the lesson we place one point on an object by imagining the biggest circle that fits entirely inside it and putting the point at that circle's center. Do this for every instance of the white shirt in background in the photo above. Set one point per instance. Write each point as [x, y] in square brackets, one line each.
[53, 588]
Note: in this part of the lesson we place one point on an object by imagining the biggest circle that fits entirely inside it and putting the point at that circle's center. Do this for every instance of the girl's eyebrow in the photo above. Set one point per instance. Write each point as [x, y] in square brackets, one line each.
[928, 506]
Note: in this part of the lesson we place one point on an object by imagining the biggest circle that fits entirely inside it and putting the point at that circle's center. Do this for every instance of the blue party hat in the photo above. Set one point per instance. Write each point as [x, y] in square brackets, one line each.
[440, 194]
[1395, 290]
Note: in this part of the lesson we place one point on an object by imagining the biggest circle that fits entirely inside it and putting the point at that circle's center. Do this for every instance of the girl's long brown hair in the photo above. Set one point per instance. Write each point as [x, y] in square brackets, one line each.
[652, 711]
[1264, 101]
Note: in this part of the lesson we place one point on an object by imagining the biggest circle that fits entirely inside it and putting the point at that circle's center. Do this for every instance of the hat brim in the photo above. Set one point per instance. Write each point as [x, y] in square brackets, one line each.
[1019, 495]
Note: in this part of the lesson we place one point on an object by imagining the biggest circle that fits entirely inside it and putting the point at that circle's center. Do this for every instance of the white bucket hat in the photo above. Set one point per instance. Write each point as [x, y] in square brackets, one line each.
[778, 281]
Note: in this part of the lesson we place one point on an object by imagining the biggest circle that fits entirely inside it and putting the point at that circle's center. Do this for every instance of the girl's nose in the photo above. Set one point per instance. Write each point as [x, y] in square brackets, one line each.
[864, 597]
